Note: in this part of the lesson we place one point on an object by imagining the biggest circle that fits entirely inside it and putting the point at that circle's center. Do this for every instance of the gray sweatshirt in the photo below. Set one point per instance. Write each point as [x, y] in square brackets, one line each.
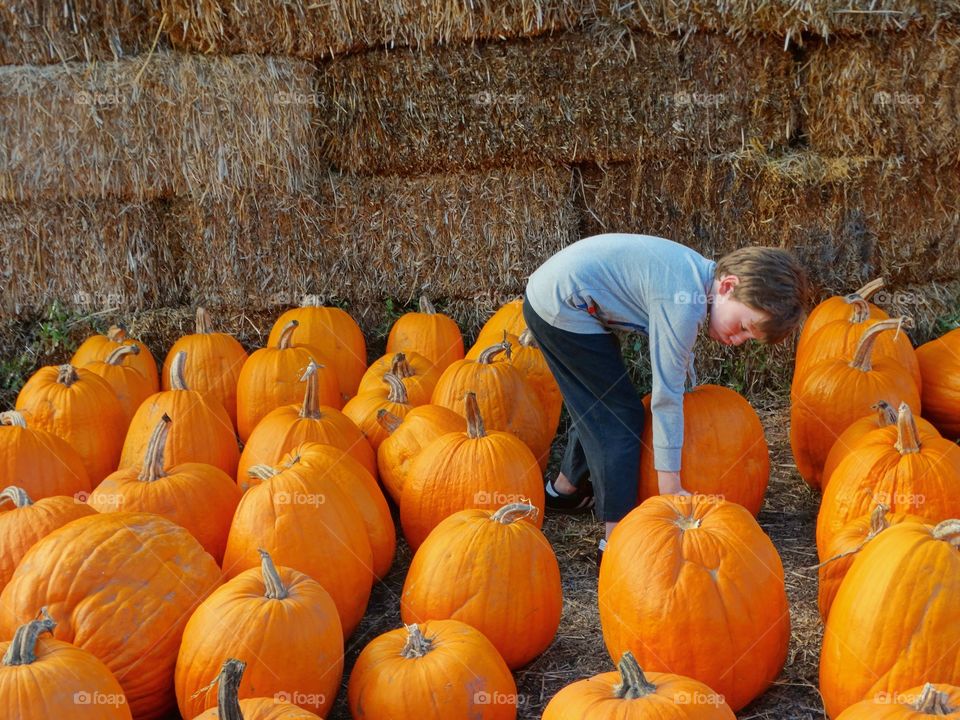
[634, 283]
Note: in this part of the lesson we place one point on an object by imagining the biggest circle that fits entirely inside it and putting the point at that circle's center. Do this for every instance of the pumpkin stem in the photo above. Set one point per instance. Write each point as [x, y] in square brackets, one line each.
[932, 702]
[117, 356]
[67, 375]
[527, 340]
[311, 403]
[153, 468]
[509, 514]
[23, 648]
[117, 333]
[487, 356]
[388, 421]
[948, 530]
[177, 379]
[263, 472]
[426, 306]
[417, 645]
[398, 391]
[878, 520]
[887, 415]
[633, 683]
[228, 694]
[401, 367]
[861, 310]
[908, 436]
[861, 357]
[286, 335]
[275, 589]
[203, 325]
[14, 418]
[475, 427]
[17, 495]
[866, 291]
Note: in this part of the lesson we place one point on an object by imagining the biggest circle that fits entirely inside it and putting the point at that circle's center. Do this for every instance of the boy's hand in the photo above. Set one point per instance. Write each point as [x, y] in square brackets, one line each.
[669, 483]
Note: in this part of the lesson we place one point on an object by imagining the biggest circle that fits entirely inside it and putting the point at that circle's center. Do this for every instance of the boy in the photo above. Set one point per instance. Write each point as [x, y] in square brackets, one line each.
[611, 282]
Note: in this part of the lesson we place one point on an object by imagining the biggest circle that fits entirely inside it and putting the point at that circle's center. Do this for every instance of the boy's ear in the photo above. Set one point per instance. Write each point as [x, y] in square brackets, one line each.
[727, 284]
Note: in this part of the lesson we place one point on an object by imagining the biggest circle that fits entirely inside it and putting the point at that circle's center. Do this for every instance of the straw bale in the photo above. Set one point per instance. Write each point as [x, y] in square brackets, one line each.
[885, 96]
[157, 125]
[597, 96]
[40, 32]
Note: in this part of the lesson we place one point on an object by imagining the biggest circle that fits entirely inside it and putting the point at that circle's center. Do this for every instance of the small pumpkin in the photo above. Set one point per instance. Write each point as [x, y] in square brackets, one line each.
[126, 380]
[230, 707]
[44, 464]
[364, 409]
[97, 348]
[433, 335]
[418, 375]
[507, 319]
[927, 700]
[839, 307]
[940, 367]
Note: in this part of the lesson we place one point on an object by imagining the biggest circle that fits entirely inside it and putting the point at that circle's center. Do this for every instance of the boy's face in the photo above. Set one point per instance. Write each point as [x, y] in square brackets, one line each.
[731, 321]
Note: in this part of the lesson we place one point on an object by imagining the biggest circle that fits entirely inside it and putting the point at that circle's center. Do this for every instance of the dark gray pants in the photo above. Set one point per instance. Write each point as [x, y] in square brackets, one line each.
[605, 412]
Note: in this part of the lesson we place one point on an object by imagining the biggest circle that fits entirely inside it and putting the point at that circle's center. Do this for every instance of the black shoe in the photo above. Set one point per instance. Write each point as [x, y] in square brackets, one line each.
[574, 504]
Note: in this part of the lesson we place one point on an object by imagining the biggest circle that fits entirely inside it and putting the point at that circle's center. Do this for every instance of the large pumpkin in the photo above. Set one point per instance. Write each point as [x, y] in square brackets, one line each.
[893, 624]
[463, 470]
[202, 432]
[230, 707]
[693, 586]
[157, 574]
[438, 670]
[631, 694]
[940, 368]
[216, 360]
[433, 335]
[126, 380]
[364, 410]
[418, 375]
[42, 678]
[81, 408]
[43, 464]
[909, 470]
[334, 333]
[98, 348]
[508, 319]
[834, 393]
[493, 573]
[271, 378]
[283, 616]
[839, 307]
[196, 496]
[724, 449]
[925, 701]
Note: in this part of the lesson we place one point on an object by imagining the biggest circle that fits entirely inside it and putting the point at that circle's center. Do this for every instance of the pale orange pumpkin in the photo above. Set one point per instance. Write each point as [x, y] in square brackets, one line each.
[433, 335]
[97, 348]
[940, 368]
[508, 319]
[364, 409]
[418, 375]
[44, 464]
[839, 307]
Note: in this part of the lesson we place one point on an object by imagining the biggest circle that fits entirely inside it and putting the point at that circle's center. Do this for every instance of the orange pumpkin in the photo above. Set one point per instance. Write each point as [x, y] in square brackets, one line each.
[28, 521]
[216, 360]
[203, 432]
[433, 335]
[127, 382]
[43, 678]
[691, 584]
[288, 426]
[334, 333]
[839, 307]
[230, 707]
[196, 496]
[438, 670]
[506, 400]
[97, 348]
[493, 573]
[364, 409]
[940, 368]
[508, 319]
[724, 450]
[157, 575]
[833, 394]
[909, 470]
[283, 616]
[81, 408]
[271, 378]
[463, 470]
[43, 464]
[418, 375]
[917, 703]
[893, 624]
[631, 694]
[407, 436]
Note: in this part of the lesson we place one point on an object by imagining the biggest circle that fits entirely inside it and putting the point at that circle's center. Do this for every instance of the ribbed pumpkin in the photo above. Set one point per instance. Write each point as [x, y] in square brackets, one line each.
[433, 335]
[126, 380]
[42, 678]
[98, 348]
[196, 496]
[463, 470]
[43, 464]
[508, 319]
[839, 307]
[283, 616]
[724, 449]
[230, 707]
[418, 375]
[438, 670]
[23, 522]
[334, 333]
[833, 394]
[917, 703]
[909, 470]
[506, 400]
[893, 624]
[78, 406]
[493, 573]
[631, 694]
[364, 409]
[288, 426]
[216, 360]
[203, 431]
[846, 544]
[157, 574]
[272, 377]
[407, 436]
[332, 464]
[692, 585]
[940, 368]
[309, 525]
